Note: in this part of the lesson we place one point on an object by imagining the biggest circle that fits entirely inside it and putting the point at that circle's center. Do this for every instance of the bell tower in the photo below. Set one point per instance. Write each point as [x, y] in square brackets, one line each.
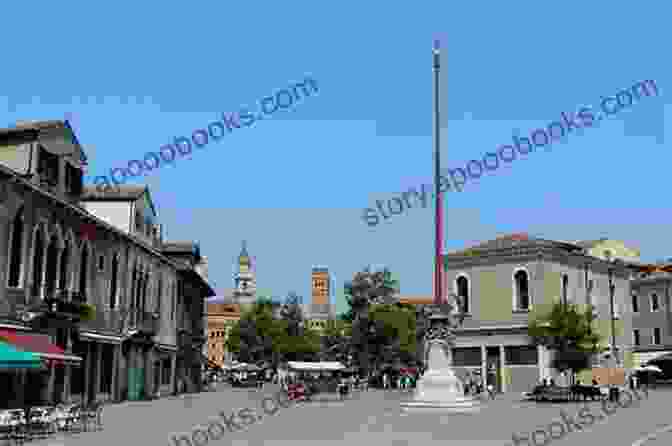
[245, 280]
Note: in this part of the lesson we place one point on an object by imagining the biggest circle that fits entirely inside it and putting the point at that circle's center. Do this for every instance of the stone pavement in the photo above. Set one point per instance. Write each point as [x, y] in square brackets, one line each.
[372, 418]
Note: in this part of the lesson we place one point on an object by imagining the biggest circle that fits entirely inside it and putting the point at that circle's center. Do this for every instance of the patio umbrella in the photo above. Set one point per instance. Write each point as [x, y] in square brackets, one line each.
[13, 359]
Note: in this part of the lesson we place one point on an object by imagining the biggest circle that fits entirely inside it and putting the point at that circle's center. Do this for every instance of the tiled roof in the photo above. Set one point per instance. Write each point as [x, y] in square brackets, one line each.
[179, 247]
[513, 241]
[121, 193]
[32, 125]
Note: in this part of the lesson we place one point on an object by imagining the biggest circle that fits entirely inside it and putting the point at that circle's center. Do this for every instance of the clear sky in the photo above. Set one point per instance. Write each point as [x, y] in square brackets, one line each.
[137, 74]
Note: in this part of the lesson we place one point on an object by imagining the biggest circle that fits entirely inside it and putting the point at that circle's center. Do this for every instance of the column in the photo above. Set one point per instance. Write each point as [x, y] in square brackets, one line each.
[87, 373]
[99, 363]
[58, 269]
[67, 368]
[502, 365]
[149, 373]
[484, 365]
[50, 383]
[173, 369]
[541, 358]
[115, 371]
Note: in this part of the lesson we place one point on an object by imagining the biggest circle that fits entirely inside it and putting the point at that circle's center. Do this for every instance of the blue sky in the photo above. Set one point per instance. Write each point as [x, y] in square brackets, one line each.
[137, 74]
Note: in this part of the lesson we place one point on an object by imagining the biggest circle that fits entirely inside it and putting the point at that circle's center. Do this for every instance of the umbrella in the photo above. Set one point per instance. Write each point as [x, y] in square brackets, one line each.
[649, 368]
[13, 359]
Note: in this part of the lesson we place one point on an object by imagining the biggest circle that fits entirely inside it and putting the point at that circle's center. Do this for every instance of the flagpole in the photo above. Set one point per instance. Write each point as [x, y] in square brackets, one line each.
[438, 217]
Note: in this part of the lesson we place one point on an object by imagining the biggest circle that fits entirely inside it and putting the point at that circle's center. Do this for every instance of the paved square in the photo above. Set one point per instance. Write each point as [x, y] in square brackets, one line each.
[372, 418]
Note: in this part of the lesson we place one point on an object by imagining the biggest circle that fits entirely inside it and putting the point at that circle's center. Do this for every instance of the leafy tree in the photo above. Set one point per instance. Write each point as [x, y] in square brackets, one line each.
[569, 331]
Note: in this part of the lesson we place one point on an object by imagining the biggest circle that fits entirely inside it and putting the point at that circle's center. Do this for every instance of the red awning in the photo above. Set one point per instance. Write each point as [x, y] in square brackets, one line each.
[39, 344]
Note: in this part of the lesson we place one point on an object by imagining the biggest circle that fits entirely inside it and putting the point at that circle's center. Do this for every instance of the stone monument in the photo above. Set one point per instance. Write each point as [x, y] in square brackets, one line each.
[440, 390]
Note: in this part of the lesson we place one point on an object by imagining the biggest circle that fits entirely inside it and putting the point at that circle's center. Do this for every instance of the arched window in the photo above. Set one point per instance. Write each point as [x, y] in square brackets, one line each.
[52, 262]
[462, 285]
[16, 253]
[565, 285]
[522, 290]
[65, 267]
[114, 278]
[83, 272]
[38, 255]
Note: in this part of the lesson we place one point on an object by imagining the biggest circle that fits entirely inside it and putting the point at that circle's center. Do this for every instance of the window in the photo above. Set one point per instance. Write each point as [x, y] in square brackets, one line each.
[83, 271]
[462, 290]
[656, 336]
[65, 259]
[635, 304]
[521, 290]
[113, 282]
[47, 166]
[52, 261]
[138, 222]
[635, 337]
[565, 285]
[159, 292]
[16, 252]
[38, 253]
[73, 179]
[101, 263]
[655, 303]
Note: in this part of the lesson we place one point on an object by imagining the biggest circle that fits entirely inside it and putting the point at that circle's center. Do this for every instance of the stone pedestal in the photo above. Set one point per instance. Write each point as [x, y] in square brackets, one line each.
[440, 390]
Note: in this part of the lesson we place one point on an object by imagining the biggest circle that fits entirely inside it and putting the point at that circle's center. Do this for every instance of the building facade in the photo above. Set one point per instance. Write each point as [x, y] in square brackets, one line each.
[506, 282]
[84, 273]
[652, 317]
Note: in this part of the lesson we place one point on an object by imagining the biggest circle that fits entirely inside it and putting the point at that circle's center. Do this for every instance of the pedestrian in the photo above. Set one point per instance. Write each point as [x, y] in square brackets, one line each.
[491, 391]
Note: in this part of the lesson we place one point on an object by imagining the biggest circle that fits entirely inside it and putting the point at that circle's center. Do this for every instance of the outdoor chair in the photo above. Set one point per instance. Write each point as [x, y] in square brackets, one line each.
[73, 419]
[93, 415]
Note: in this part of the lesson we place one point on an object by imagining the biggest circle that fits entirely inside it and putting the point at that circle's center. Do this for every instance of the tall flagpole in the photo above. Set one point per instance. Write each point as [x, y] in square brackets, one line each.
[438, 218]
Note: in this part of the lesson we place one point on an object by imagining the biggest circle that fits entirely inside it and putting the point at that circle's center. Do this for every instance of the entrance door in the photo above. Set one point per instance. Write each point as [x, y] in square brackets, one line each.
[493, 368]
[136, 379]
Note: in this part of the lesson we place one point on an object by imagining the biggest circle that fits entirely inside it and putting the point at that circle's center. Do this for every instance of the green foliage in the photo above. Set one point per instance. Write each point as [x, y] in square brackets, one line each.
[570, 332]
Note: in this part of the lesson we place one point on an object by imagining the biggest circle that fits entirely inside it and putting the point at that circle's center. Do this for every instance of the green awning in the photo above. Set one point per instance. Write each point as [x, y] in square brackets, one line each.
[13, 359]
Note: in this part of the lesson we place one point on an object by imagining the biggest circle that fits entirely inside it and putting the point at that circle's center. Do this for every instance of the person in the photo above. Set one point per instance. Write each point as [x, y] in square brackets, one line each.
[595, 383]
[385, 381]
[491, 391]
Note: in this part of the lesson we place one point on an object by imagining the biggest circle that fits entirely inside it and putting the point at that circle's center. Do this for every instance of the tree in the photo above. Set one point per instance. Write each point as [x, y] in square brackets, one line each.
[364, 289]
[569, 331]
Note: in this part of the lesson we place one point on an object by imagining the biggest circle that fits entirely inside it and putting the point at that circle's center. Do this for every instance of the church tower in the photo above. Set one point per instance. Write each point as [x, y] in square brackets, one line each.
[246, 284]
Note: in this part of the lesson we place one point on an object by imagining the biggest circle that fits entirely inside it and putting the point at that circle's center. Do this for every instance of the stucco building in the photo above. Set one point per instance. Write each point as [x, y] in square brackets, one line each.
[87, 281]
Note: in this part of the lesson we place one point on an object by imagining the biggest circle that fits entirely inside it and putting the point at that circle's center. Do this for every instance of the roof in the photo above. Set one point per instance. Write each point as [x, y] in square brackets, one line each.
[516, 241]
[41, 128]
[416, 300]
[590, 243]
[180, 247]
[118, 193]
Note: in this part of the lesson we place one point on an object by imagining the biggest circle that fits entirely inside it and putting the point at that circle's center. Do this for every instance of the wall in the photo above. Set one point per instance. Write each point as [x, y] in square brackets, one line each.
[116, 213]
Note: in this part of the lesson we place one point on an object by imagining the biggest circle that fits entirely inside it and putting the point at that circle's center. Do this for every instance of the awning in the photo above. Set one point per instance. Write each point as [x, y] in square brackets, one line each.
[316, 366]
[40, 345]
[13, 359]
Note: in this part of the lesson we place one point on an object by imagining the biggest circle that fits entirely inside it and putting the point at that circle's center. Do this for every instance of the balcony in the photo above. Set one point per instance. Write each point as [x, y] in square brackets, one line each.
[144, 322]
